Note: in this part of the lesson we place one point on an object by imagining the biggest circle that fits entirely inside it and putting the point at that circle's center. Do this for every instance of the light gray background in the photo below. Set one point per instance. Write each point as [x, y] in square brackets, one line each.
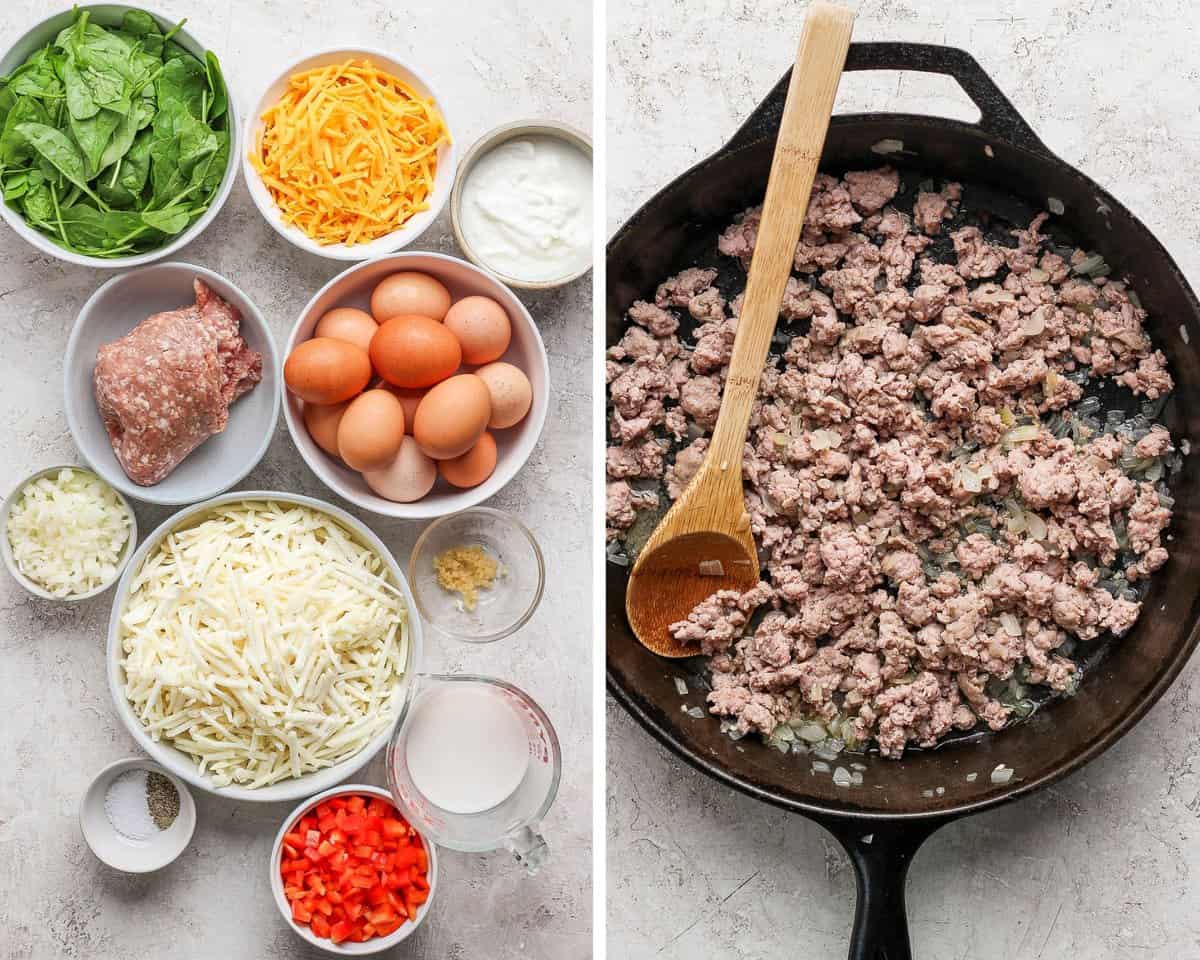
[1105, 866]
[492, 63]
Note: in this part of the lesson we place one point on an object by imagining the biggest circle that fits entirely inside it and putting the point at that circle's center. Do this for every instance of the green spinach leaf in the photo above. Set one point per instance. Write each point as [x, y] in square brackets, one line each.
[138, 23]
[16, 184]
[135, 165]
[219, 95]
[37, 77]
[93, 136]
[209, 174]
[14, 148]
[171, 221]
[38, 204]
[56, 148]
[80, 101]
[99, 233]
[183, 81]
[122, 138]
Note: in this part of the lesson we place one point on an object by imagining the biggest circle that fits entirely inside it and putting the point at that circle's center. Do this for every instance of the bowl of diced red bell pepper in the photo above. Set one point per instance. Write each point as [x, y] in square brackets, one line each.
[350, 874]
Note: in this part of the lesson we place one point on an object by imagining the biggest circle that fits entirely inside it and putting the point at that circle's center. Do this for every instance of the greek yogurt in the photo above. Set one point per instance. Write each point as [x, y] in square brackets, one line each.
[526, 209]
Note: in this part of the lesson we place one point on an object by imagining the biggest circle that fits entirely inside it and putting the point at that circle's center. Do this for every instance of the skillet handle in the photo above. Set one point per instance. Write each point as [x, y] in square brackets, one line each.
[881, 853]
[997, 116]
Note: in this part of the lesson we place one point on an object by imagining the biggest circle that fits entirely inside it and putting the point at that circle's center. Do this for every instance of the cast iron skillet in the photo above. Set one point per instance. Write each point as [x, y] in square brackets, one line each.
[882, 823]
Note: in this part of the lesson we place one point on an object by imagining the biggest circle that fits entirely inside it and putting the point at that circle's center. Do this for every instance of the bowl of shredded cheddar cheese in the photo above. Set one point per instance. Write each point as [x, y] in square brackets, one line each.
[349, 154]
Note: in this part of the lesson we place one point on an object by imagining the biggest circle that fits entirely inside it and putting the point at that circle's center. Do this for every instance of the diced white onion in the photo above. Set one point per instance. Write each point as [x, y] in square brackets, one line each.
[1035, 525]
[1016, 522]
[824, 439]
[1021, 434]
[68, 532]
[812, 732]
[1034, 324]
[1011, 625]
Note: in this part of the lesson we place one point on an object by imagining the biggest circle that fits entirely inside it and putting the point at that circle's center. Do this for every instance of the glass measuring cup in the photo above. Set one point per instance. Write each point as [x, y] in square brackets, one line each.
[513, 821]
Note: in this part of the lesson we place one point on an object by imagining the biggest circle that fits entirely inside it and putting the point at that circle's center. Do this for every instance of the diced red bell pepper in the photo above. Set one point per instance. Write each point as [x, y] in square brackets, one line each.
[394, 829]
[353, 869]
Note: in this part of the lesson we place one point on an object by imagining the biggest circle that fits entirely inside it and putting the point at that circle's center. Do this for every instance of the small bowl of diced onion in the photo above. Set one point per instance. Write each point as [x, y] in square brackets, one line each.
[65, 534]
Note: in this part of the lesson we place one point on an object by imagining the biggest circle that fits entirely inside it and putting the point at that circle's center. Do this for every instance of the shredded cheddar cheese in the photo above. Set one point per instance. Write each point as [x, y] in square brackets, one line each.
[349, 152]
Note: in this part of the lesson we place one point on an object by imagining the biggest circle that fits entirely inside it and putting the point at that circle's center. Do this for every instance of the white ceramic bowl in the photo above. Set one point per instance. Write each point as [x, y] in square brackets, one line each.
[353, 288]
[121, 853]
[109, 14]
[481, 148]
[112, 311]
[378, 944]
[443, 181]
[178, 762]
[11, 563]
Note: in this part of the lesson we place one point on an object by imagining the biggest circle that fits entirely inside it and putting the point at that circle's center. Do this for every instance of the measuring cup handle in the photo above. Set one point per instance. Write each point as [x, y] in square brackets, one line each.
[529, 847]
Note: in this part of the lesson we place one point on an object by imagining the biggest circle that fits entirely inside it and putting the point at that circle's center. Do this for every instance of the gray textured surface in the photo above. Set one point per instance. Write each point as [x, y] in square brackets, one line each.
[1105, 865]
[59, 727]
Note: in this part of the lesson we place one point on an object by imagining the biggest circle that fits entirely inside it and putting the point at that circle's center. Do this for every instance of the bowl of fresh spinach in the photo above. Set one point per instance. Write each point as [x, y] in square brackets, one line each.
[118, 137]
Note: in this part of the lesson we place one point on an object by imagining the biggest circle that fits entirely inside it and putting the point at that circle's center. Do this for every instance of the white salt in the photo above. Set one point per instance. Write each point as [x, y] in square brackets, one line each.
[126, 807]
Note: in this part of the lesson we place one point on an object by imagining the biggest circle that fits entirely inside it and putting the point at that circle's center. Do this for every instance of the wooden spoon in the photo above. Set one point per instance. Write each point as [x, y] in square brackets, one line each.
[704, 543]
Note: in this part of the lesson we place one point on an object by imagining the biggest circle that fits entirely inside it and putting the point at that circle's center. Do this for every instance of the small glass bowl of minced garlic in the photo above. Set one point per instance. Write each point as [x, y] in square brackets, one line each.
[477, 575]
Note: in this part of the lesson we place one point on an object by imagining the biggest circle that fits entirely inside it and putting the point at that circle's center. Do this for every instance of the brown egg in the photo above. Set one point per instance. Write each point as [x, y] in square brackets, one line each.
[509, 392]
[322, 424]
[371, 430]
[482, 327]
[326, 371]
[452, 417]
[473, 467]
[410, 400]
[409, 292]
[347, 323]
[408, 476]
[414, 351]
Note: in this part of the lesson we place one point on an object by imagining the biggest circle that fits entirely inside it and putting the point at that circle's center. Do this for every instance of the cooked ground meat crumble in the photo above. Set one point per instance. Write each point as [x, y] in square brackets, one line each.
[940, 512]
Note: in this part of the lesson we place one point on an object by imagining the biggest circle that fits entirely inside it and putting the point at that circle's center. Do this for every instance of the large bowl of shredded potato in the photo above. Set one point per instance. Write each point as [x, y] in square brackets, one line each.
[261, 645]
[348, 154]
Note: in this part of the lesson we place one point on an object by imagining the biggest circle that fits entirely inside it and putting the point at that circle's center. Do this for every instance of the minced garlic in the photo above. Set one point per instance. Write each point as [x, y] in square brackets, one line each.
[465, 571]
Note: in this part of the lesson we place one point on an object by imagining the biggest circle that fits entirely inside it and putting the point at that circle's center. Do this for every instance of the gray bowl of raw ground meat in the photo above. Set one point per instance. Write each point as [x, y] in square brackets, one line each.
[171, 383]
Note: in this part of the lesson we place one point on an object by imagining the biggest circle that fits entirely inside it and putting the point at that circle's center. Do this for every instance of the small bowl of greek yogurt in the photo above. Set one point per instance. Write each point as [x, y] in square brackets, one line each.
[521, 207]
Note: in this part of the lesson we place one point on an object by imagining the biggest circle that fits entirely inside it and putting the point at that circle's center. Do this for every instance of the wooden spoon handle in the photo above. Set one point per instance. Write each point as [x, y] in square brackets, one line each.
[819, 61]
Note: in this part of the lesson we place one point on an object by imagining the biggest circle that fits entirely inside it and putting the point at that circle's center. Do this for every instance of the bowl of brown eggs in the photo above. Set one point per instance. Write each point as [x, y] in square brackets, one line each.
[415, 385]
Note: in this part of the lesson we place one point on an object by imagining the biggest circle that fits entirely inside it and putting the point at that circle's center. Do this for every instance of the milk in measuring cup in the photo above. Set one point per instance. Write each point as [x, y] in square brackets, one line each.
[467, 748]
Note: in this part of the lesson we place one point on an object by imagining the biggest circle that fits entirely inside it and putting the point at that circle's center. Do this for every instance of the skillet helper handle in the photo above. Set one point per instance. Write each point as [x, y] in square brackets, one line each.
[881, 854]
[997, 116]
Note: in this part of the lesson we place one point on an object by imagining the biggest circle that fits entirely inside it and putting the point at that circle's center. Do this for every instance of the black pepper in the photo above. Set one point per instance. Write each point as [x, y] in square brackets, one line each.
[162, 799]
